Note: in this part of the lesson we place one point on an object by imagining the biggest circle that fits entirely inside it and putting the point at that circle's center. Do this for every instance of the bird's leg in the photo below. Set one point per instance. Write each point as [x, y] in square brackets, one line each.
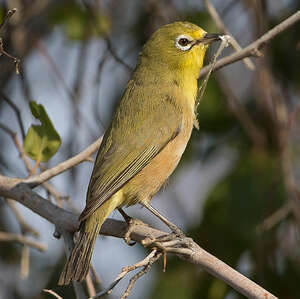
[175, 229]
[131, 222]
[125, 216]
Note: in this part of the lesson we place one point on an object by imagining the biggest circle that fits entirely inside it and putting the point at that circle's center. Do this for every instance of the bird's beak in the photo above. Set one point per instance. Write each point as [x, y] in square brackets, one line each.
[209, 38]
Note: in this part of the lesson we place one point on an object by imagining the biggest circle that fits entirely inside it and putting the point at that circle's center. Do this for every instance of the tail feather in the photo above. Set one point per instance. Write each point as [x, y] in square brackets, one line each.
[78, 264]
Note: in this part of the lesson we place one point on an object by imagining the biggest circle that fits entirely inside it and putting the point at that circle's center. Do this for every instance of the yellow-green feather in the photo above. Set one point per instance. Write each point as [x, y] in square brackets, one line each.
[78, 264]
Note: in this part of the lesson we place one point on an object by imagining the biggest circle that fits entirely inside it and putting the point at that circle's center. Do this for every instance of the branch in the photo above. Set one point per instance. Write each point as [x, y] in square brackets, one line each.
[8, 15]
[217, 19]
[145, 263]
[25, 227]
[58, 197]
[54, 171]
[10, 237]
[16, 110]
[241, 113]
[52, 293]
[253, 48]
[64, 220]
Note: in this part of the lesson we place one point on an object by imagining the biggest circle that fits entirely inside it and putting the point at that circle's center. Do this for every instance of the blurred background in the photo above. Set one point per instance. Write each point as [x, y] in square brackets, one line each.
[236, 189]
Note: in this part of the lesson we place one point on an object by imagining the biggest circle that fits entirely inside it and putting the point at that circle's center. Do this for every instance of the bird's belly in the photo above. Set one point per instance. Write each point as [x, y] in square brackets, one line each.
[150, 179]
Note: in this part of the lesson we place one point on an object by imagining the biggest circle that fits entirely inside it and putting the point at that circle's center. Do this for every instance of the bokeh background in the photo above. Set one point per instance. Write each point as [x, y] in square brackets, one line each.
[235, 191]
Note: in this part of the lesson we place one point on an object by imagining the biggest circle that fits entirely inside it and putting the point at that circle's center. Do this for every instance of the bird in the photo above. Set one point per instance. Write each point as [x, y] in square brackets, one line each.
[147, 135]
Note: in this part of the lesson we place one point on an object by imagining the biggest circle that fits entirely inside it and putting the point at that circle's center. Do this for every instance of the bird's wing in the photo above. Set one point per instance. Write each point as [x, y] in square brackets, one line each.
[130, 143]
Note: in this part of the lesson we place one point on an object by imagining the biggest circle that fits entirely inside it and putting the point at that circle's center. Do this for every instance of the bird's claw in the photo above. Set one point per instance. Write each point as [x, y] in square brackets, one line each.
[130, 227]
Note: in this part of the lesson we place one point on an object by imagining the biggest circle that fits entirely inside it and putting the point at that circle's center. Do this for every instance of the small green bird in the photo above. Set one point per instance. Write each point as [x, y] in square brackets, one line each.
[147, 136]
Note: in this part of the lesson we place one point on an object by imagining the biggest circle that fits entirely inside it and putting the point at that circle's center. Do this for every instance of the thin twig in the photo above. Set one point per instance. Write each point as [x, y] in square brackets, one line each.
[10, 237]
[240, 113]
[52, 293]
[146, 261]
[56, 170]
[139, 275]
[94, 21]
[96, 277]
[275, 218]
[16, 110]
[116, 57]
[8, 15]
[25, 227]
[25, 262]
[90, 286]
[15, 59]
[216, 17]
[18, 145]
[57, 196]
[252, 49]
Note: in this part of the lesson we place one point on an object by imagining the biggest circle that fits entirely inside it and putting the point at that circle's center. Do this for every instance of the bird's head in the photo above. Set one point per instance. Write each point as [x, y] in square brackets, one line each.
[178, 46]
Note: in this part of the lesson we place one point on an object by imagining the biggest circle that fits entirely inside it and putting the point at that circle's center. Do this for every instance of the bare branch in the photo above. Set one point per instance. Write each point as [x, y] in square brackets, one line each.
[253, 48]
[10, 237]
[116, 57]
[94, 22]
[276, 217]
[145, 270]
[15, 59]
[64, 220]
[95, 277]
[215, 16]
[52, 293]
[25, 227]
[16, 110]
[18, 145]
[54, 171]
[240, 113]
[57, 196]
[25, 262]
[147, 261]
[90, 286]
[8, 15]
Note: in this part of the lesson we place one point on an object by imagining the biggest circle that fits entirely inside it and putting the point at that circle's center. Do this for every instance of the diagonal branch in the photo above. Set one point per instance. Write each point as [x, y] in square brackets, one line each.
[64, 220]
[218, 21]
[253, 48]
[65, 165]
[16, 110]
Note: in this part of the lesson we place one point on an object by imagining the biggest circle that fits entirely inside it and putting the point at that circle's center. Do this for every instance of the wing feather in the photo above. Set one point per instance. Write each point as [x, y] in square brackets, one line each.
[129, 150]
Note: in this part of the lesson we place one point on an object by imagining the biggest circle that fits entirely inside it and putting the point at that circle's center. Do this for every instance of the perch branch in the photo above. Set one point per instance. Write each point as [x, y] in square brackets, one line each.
[67, 221]
[253, 48]
[217, 19]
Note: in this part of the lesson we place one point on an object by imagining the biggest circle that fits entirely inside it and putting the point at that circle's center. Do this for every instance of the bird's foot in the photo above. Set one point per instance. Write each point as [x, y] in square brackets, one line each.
[164, 242]
[168, 243]
[176, 230]
[132, 222]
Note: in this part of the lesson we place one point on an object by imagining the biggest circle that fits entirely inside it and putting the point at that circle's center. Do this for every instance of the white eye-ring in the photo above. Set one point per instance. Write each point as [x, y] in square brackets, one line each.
[183, 42]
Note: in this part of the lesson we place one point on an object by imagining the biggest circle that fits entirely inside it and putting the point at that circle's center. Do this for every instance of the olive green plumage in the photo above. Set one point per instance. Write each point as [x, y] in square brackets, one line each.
[147, 136]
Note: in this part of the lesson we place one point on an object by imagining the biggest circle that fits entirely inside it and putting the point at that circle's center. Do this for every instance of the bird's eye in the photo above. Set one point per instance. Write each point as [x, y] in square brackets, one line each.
[183, 42]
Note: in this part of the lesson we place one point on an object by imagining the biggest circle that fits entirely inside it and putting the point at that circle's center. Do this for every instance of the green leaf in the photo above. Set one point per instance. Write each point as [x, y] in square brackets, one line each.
[42, 141]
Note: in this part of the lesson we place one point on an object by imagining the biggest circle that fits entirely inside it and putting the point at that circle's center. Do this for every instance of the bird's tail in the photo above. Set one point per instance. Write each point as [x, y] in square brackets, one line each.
[78, 264]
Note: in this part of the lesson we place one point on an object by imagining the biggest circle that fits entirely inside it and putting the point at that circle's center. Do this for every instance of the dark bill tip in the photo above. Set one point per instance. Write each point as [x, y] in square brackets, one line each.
[210, 38]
